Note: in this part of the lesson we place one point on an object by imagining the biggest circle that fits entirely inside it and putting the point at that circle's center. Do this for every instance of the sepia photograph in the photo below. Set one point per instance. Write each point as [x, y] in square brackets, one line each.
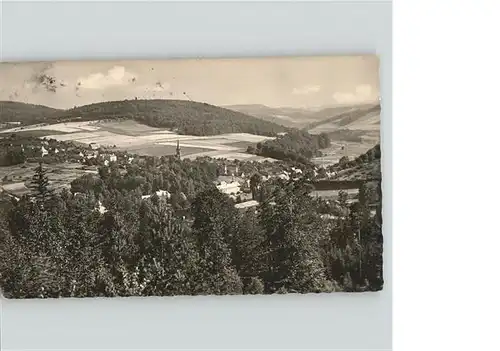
[190, 177]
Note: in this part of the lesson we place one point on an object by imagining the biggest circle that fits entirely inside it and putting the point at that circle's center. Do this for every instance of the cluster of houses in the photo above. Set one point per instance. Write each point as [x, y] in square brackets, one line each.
[92, 152]
[236, 184]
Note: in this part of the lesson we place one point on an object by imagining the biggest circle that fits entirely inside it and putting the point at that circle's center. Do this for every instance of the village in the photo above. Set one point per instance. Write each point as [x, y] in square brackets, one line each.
[65, 162]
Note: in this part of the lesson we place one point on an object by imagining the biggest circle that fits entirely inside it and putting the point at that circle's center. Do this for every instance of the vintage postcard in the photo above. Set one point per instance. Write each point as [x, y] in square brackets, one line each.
[190, 177]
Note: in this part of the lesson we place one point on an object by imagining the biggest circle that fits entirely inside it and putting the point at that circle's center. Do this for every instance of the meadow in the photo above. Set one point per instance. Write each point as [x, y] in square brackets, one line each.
[131, 136]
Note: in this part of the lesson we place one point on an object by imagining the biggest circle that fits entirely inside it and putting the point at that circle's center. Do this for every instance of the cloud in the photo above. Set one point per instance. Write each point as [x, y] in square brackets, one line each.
[306, 90]
[114, 77]
[362, 93]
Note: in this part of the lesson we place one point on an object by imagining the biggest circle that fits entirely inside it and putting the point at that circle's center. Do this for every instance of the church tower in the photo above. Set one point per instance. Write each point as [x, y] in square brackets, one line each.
[178, 151]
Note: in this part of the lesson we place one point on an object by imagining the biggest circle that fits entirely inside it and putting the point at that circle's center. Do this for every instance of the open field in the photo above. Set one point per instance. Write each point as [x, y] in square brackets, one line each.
[127, 127]
[70, 127]
[140, 139]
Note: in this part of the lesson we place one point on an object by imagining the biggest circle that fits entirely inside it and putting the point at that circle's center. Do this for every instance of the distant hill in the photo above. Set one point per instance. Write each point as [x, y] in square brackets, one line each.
[285, 116]
[12, 111]
[306, 119]
[351, 125]
[184, 117]
[344, 117]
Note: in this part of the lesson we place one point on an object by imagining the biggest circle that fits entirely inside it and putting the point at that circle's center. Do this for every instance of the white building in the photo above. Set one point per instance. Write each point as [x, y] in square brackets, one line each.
[229, 188]
[44, 151]
[112, 158]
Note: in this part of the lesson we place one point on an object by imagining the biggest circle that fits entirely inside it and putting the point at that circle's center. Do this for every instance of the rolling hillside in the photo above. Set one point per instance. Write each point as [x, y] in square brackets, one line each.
[348, 118]
[183, 117]
[328, 119]
[11, 111]
[353, 125]
[288, 117]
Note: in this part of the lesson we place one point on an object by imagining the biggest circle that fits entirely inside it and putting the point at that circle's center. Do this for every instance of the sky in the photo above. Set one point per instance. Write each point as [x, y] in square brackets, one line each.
[300, 82]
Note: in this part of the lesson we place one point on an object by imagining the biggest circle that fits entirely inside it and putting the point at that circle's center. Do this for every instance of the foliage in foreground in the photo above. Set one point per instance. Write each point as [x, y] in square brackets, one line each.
[61, 245]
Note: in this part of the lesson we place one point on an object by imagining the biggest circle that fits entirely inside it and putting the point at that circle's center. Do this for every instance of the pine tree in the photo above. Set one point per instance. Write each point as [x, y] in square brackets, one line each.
[40, 184]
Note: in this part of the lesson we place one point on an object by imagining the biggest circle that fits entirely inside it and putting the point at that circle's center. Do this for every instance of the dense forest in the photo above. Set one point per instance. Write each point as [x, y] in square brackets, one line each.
[296, 146]
[192, 242]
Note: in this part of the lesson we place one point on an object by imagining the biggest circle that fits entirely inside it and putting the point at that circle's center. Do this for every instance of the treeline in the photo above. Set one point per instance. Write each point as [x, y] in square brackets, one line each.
[61, 245]
[296, 146]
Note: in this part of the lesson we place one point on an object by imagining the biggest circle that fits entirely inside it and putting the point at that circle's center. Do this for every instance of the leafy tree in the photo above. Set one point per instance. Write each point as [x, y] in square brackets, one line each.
[254, 286]
[214, 220]
[293, 260]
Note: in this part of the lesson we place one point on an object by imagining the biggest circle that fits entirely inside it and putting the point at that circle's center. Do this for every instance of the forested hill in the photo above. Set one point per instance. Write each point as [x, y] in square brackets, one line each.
[12, 111]
[185, 117]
